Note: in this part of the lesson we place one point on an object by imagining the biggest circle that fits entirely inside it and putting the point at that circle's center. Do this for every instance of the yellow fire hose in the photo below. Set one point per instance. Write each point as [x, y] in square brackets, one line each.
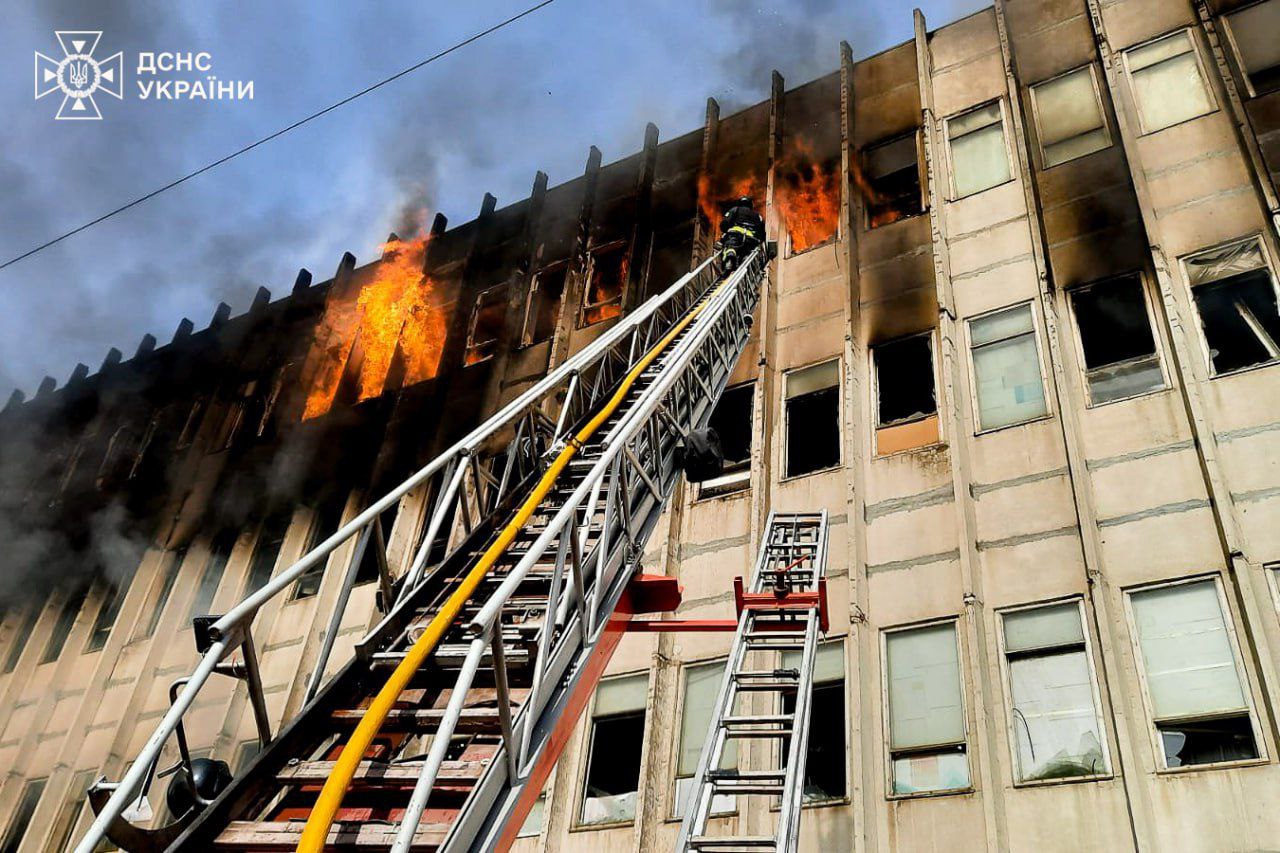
[316, 832]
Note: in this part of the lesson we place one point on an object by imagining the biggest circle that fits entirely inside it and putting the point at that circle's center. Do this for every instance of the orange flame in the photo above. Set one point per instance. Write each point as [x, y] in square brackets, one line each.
[393, 313]
[604, 290]
[808, 197]
[710, 197]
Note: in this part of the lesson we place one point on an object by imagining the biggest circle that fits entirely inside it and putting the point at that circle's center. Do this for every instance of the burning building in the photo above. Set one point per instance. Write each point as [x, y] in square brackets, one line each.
[1020, 342]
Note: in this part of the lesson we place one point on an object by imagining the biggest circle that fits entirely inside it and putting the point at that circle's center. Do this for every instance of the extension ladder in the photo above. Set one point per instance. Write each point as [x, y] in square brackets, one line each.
[454, 708]
[783, 611]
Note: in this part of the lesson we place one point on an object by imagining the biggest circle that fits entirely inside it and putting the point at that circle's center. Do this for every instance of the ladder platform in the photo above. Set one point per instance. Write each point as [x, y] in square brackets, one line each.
[375, 774]
[263, 836]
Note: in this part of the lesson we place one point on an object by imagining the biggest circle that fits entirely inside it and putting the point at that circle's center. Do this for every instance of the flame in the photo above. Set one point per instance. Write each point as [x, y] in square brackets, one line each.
[393, 313]
[808, 197]
[710, 197]
[604, 291]
[872, 197]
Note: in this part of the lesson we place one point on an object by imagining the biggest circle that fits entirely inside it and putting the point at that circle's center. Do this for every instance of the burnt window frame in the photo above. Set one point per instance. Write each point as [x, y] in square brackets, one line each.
[1243, 674]
[1205, 78]
[740, 472]
[474, 321]
[1238, 56]
[874, 371]
[533, 300]
[787, 476]
[917, 136]
[1078, 339]
[1097, 100]
[1268, 264]
[622, 246]
[953, 192]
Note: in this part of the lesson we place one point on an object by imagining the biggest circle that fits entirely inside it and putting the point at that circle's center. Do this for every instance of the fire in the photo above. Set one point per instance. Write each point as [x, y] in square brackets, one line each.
[604, 290]
[879, 212]
[392, 316]
[710, 198]
[808, 196]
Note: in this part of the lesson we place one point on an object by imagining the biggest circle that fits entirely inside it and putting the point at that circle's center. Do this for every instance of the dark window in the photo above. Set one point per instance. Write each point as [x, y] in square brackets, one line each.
[328, 520]
[904, 381]
[66, 621]
[266, 552]
[487, 320]
[1236, 298]
[368, 570]
[219, 555]
[166, 589]
[1120, 358]
[544, 303]
[18, 641]
[606, 279]
[613, 770]
[69, 814]
[892, 185]
[1254, 32]
[824, 768]
[731, 419]
[31, 793]
[1207, 741]
[813, 418]
[107, 613]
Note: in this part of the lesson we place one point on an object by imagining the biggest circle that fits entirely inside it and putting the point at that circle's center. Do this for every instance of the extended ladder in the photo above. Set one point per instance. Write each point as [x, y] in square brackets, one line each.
[500, 627]
[783, 611]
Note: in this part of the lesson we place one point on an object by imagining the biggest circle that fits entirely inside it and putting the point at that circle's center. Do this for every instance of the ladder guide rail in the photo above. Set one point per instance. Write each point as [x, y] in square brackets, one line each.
[617, 495]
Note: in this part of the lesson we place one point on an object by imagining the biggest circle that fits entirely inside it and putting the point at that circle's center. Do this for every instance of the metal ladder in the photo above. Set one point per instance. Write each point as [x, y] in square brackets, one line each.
[784, 610]
[482, 720]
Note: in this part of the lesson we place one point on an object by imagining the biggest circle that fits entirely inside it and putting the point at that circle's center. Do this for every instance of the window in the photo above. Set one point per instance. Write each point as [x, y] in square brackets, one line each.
[824, 768]
[107, 613]
[1253, 32]
[906, 403]
[1235, 296]
[1069, 117]
[892, 173]
[18, 640]
[265, 553]
[1006, 368]
[245, 753]
[1169, 85]
[328, 518]
[543, 307]
[31, 793]
[813, 418]
[701, 689]
[69, 815]
[191, 425]
[172, 568]
[731, 419]
[534, 821]
[979, 158]
[219, 555]
[1056, 729]
[926, 717]
[613, 762]
[1118, 348]
[66, 621]
[1196, 698]
[606, 279]
[487, 320]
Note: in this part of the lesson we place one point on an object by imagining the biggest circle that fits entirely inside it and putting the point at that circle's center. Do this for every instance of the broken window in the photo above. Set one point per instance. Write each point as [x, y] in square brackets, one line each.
[927, 749]
[701, 689]
[979, 158]
[906, 401]
[824, 768]
[1057, 732]
[219, 555]
[265, 553]
[1197, 699]
[1069, 117]
[1006, 367]
[31, 794]
[234, 416]
[18, 640]
[542, 309]
[606, 278]
[613, 760]
[1253, 32]
[487, 320]
[813, 418]
[112, 594]
[191, 426]
[731, 419]
[66, 621]
[171, 570]
[1169, 86]
[69, 815]
[892, 173]
[327, 520]
[1119, 350]
[1235, 296]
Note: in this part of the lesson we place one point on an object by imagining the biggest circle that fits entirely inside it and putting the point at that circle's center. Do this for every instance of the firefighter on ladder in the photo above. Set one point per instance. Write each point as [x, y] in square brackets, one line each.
[741, 231]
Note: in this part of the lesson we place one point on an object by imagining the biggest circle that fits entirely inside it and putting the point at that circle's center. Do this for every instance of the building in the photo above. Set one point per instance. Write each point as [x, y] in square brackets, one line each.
[1021, 342]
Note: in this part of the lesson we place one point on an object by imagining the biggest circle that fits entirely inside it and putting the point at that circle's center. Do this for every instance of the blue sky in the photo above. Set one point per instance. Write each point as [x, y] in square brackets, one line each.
[533, 96]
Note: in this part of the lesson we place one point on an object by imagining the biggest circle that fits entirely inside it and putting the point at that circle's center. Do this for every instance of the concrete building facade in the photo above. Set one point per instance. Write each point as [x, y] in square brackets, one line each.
[1021, 342]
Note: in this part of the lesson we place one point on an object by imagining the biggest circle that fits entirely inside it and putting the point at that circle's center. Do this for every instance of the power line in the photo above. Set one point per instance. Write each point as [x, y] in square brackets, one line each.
[281, 132]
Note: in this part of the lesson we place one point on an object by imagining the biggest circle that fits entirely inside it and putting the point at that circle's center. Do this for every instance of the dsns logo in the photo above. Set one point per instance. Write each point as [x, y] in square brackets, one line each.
[78, 75]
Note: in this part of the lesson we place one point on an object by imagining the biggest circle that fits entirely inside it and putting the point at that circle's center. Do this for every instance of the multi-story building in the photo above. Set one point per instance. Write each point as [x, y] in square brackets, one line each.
[1021, 342]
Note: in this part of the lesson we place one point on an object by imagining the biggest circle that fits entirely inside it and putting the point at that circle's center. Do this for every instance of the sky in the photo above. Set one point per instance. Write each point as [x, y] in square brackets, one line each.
[532, 96]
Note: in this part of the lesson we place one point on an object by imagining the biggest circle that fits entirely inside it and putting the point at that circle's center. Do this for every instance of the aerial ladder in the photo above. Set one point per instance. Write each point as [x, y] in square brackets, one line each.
[440, 731]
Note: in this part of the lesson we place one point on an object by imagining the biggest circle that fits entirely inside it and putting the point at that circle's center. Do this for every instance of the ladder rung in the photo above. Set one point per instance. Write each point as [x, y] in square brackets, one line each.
[275, 835]
[379, 774]
[744, 734]
[767, 673]
[753, 842]
[425, 720]
[763, 719]
[767, 686]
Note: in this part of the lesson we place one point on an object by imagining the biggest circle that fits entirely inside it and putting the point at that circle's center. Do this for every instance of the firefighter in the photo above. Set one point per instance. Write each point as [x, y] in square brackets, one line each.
[741, 231]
